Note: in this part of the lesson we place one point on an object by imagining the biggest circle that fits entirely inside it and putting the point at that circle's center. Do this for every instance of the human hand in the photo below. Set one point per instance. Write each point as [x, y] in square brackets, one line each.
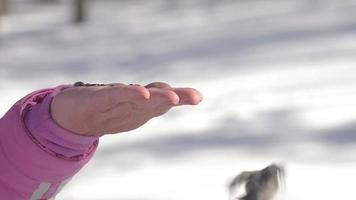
[115, 108]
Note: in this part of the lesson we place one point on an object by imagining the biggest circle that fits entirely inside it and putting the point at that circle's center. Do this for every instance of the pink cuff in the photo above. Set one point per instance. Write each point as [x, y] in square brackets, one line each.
[51, 135]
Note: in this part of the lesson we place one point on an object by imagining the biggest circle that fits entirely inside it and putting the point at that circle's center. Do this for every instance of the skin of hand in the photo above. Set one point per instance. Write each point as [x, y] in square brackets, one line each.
[115, 108]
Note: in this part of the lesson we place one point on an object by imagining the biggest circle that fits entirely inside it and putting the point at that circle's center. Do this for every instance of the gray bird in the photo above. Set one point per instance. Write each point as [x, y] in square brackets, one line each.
[259, 185]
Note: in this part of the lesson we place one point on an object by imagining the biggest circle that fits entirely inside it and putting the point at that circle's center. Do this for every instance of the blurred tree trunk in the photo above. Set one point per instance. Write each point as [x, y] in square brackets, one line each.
[3, 6]
[48, 1]
[79, 11]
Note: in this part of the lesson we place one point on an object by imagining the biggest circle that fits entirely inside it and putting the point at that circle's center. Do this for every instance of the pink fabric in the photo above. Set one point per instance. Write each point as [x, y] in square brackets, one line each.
[34, 149]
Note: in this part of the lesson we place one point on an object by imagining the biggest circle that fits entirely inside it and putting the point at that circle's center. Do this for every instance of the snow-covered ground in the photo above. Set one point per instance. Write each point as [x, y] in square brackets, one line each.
[278, 78]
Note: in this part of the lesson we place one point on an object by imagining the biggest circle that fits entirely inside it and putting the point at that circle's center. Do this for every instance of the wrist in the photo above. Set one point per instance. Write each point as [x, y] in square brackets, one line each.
[67, 114]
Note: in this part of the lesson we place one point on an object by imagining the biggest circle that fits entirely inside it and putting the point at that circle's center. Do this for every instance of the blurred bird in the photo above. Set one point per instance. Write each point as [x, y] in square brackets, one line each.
[259, 185]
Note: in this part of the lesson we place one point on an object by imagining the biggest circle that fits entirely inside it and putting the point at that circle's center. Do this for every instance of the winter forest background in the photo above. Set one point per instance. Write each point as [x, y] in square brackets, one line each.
[278, 78]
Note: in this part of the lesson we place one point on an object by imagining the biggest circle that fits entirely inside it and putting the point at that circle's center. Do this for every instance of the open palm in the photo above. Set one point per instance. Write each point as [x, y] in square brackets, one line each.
[115, 108]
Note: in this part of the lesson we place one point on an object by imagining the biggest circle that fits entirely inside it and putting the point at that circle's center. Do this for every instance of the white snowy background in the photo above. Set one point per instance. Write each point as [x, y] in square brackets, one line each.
[278, 78]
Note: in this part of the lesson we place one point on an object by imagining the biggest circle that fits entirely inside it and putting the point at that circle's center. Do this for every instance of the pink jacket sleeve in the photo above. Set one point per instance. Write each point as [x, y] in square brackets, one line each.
[37, 156]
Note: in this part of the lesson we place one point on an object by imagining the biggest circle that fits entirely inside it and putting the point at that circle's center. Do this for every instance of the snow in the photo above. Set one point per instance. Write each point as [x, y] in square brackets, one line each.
[277, 78]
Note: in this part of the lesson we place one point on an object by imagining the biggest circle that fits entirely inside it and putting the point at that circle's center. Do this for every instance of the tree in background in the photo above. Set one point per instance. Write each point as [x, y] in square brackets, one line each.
[3, 6]
[79, 11]
[48, 1]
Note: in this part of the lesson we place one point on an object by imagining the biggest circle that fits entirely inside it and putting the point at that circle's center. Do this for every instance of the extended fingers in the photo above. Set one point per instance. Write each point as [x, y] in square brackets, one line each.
[158, 85]
[160, 101]
[158, 94]
[125, 93]
[107, 97]
[188, 96]
[164, 97]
